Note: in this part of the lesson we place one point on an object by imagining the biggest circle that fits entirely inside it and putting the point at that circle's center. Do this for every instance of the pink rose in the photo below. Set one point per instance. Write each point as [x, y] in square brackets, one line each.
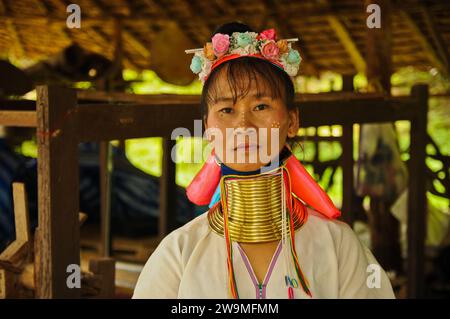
[270, 50]
[269, 34]
[221, 43]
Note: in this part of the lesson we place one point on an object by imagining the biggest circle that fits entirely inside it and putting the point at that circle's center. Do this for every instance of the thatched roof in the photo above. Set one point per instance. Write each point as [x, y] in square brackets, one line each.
[332, 32]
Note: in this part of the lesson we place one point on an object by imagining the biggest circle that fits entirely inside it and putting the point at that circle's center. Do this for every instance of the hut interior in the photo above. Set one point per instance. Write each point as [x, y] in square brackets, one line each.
[63, 86]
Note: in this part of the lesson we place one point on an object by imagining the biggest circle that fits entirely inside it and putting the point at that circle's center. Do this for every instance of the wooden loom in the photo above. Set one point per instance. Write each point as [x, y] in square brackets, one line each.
[62, 122]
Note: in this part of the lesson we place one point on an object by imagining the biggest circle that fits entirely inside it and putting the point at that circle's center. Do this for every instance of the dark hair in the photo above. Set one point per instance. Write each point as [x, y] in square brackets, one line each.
[276, 79]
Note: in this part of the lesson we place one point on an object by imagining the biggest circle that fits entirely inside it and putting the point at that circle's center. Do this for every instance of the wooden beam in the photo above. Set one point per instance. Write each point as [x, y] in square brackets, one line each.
[16, 39]
[129, 121]
[439, 42]
[49, 11]
[283, 22]
[121, 97]
[18, 118]
[347, 42]
[195, 13]
[136, 43]
[46, 9]
[379, 50]
[13, 32]
[58, 235]
[430, 51]
[128, 36]
[379, 106]
[166, 10]
[62, 5]
[87, 21]
[133, 39]
[357, 111]
[166, 105]
[87, 96]
[313, 12]
[98, 34]
[223, 5]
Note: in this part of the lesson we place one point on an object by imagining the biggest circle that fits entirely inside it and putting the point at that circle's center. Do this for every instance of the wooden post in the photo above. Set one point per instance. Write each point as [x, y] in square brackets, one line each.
[384, 226]
[114, 78]
[167, 199]
[417, 220]
[347, 161]
[106, 269]
[106, 167]
[8, 282]
[16, 255]
[379, 51]
[106, 159]
[57, 239]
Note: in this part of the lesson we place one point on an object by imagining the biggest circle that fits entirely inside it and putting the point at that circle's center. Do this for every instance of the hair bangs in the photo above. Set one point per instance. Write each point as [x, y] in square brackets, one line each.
[244, 73]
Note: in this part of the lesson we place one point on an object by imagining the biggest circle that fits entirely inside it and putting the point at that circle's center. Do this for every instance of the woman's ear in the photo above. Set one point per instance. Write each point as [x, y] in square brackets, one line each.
[294, 122]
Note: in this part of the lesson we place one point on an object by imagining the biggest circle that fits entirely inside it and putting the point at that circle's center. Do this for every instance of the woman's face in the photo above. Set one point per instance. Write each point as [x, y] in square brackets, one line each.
[249, 134]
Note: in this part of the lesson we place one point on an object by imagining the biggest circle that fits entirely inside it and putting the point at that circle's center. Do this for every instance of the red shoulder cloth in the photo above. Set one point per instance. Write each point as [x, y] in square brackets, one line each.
[302, 184]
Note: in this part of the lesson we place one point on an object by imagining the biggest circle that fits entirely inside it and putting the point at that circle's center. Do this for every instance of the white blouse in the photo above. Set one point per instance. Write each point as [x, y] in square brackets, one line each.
[190, 262]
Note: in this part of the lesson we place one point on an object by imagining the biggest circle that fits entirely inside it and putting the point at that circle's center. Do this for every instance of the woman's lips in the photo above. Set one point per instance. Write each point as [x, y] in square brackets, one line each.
[246, 147]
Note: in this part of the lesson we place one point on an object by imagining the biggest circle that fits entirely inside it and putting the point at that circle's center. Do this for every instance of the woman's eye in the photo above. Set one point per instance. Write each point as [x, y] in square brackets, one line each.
[260, 107]
[226, 110]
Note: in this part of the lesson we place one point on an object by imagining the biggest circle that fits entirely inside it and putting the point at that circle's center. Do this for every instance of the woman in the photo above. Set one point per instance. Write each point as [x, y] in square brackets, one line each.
[270, 230]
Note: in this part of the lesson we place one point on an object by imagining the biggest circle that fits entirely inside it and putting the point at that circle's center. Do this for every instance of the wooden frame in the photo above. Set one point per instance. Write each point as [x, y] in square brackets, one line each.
[61, 123]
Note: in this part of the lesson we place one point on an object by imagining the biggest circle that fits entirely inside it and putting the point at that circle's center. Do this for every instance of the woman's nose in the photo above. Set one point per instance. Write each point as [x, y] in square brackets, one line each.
[245, 120]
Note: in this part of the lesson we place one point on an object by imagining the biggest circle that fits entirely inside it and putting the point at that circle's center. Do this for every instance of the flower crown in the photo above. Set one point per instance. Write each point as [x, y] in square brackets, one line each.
[263, 45]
